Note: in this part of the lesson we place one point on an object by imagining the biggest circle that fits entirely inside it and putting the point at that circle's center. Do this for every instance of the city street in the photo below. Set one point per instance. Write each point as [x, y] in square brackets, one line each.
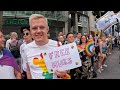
[113, 69]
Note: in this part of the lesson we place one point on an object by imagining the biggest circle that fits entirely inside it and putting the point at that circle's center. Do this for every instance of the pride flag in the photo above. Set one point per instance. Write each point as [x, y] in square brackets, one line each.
[89, 47]
[9, 60]
[79, 48]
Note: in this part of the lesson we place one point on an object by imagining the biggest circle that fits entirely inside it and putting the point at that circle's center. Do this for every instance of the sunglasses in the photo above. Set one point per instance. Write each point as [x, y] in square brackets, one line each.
[25, 34]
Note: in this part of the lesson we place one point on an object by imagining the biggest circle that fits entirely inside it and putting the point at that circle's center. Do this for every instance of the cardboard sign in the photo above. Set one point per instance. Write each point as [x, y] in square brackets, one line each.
[65, 57]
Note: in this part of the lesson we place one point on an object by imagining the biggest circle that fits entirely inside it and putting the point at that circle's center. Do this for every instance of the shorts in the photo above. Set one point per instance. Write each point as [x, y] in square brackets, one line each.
[103, 55]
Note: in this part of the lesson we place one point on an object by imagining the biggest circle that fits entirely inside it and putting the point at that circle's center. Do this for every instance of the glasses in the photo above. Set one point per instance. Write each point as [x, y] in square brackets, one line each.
[25, 34]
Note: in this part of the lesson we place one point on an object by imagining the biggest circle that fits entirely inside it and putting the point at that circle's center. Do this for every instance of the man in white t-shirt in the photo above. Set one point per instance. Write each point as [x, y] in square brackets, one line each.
[27, 39]
[36, 68]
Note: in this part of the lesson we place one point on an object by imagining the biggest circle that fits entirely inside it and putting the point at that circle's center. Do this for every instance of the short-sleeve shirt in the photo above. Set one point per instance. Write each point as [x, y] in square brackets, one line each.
[35, 61]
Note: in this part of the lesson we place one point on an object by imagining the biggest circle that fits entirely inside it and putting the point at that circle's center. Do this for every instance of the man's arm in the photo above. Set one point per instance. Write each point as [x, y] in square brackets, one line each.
[17, 74]
[28, 72]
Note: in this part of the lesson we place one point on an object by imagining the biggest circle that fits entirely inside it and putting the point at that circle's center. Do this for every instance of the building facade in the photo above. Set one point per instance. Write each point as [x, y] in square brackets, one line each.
[92, 23]
[79, 22]
[14, 20]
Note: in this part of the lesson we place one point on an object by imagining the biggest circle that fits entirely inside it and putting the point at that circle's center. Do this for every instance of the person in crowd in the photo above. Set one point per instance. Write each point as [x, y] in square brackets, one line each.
[109, 44]
[113, 42]
[97, 49]
[70, 38]
[77, 39]
[60, 33]
[102, 53]
[12, 36]
[9, 69]
[61, 39]
[27, 39]
[36, 67]
[86, 70]
[14, 46]
[65, 39]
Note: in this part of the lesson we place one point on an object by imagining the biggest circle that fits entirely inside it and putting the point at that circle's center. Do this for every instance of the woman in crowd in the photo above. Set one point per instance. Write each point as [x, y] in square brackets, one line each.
[102, 53]
[86, 70]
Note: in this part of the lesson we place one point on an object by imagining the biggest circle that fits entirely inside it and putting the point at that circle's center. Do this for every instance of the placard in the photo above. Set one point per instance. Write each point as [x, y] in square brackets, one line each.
[65, 57]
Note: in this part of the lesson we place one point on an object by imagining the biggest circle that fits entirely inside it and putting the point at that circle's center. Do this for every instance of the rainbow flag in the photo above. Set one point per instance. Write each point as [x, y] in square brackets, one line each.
[88, 48]
[79, 48]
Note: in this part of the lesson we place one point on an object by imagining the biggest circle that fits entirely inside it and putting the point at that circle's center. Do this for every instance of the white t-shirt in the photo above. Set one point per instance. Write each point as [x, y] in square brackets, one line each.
[7, 72]
[7, 43]
[33, 51]
[23, 64]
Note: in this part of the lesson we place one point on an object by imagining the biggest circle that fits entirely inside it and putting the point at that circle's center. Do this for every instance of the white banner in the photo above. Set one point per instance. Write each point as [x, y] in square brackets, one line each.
[65, 57]
[106, 20]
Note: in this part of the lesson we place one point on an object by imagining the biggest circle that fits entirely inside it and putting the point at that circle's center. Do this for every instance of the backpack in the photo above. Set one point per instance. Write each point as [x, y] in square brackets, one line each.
[15, 50]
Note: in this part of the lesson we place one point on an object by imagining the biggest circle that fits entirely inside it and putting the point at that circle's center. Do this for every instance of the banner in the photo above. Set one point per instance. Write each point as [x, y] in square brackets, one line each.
[118, 16]
[65, 57]
[106, 20]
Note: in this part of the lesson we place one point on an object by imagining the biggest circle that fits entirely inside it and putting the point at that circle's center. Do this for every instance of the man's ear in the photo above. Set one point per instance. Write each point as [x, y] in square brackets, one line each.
[48, 28]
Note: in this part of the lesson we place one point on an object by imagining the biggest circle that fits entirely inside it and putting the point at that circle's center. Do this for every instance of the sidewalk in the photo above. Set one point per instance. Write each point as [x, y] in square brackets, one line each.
[113, 69]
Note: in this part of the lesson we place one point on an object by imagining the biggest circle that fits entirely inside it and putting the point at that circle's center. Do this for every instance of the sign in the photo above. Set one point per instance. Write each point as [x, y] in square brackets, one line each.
[106, 20]
[65, 57]
[13, 21]
[22, 21]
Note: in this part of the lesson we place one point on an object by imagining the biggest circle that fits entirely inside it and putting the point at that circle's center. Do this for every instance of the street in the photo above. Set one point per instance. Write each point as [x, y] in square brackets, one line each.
[112, 71]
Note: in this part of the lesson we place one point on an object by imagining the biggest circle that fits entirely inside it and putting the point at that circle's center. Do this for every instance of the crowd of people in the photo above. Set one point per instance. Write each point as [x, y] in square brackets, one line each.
[23, 59]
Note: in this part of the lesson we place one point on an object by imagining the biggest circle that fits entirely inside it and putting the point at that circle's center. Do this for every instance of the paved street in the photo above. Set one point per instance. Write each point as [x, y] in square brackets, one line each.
[113, 69]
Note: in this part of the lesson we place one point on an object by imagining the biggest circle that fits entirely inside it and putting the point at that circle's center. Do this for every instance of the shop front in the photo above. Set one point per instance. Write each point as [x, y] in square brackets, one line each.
[15, 24]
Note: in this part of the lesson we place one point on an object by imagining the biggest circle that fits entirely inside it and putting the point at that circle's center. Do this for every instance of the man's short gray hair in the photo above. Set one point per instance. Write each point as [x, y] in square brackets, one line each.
[37, 16]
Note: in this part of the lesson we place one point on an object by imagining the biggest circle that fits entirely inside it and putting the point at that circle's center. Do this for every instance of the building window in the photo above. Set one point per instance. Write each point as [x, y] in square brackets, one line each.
[80, 18]
[86, 13]
[81, 12]
[85, 19]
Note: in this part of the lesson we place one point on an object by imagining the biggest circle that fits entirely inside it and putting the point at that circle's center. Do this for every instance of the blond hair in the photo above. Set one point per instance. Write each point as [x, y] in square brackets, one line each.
[37, 16]
[13, 34]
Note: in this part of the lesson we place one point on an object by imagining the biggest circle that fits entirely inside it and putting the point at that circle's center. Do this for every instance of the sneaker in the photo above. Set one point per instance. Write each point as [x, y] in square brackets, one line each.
[99, 70]
[104, 65]
[101, 67]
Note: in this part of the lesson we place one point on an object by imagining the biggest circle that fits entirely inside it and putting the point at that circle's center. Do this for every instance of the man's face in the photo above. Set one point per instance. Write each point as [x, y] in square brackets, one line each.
[39, 29]
[70, 38]
[61, 38]
[26, 35]
[79, 35]
[2, 40]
